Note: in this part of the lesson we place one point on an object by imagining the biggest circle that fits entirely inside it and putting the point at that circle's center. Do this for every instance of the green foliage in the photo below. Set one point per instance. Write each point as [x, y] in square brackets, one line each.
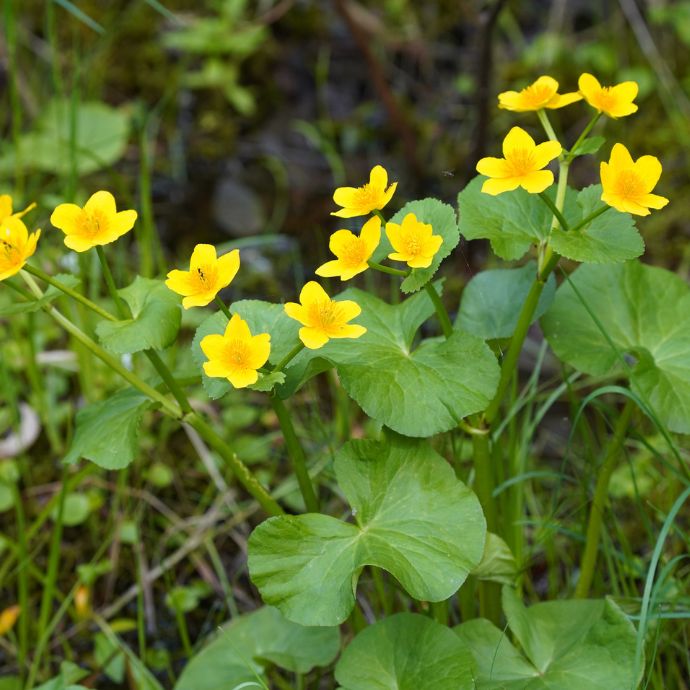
[108, 431]
[50, 295]
[609, 238]
[567, 645]
[240, 652]
[639, 332]
[97, 140]
[418, 391]
[405, 652]
[492, 300]
[155, 319]
[498, 563]
[430, 546]
[444, 222]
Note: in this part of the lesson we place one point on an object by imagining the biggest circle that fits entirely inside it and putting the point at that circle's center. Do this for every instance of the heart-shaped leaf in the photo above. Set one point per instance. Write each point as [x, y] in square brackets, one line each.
[492, 300]
[414, 518]
[155, 319]
[640, 310]
[609, 238]
[569, 645]
[415, 391]
[239, 653]
[405, 652]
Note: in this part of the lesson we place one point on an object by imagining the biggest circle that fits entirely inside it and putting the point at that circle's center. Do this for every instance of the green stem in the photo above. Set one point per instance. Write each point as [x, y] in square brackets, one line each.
[22, 579]
[223, 307]
[590, 218]
[289, 356]
[120, 306]
[596, 512]
[388, 269]
[546, 124]
[573, 151]
[378, 213]
[563, 170]
[239, 469]
[297, 455]
[441, 313]
[553, 208]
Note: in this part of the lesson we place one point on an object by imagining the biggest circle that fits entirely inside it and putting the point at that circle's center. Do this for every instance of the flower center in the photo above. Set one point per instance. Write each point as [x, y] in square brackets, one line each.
[10, 253]
[323, 313]
[366, 195]
[93, 223]
[629, 185]
[206, 276]
[538, 93]
[237, 353]
[605, 99]
[413, 246]
[354, 252]
[521, 162]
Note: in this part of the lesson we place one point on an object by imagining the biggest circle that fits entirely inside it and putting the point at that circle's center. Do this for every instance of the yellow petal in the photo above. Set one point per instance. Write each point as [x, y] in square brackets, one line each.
[347, 310]
[296, 311]
[101, 201]
[371, 234]
[589, 86]
[260, 350]
[388, 195]
[241, 378]
[537, 181]
[605, 174]
[217, 369]
[620, 158]
[31, 244]
[213, 346]
[509, 100]
[348, 213]
[624, 205]
[432, 245]
[203, 255]
[517, 138]
[654, 201]
[419, 261]
[66, 217]
[122, 223]
[563, 99]
[625, 91]
[493, 167]
[312, 292]
[345, 196]
[5, 206]
[378, 178]
[394, 234]
[496, 186]
[237, 329]
[622, 109]
[79, 243]
[227, 266]
[16, 229]
[339, 241]
[313, 338]
[199, 299]
[649, 169]
[181, 282]
[351, 331]
[330, 269]
[544, 153]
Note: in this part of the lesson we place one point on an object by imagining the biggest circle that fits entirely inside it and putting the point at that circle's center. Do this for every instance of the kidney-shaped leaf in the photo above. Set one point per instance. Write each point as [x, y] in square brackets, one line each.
[405, 652]
[108, 431]
[492, 300]
[569, 645]
[240, 651]
[414, 518]
[609, 238]
[155, 319]
[641, 310]
[415, 391]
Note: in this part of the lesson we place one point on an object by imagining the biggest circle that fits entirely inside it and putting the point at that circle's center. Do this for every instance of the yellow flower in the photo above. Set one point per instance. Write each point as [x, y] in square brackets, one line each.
[361, 201]
[96, 224]
[6, 208]
[521, 166]
[543, 93]
[627, 184]
[206, 277]
[8, 618]
[614, 101]
[322, 317]
[413, 242]
[16, 245]
[237, 354]
[353, 252]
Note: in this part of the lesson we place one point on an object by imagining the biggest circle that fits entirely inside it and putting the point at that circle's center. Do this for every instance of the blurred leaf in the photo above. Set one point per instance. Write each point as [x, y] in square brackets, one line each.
[186, 598]
[108, 431]
[589, 145]
[638, 307]
[50, 295]
[109, 657]
[492, 300]
[75, 511]
[240, 651]
[498, 563]
[408, 652]
[429, 546]
[155, 319]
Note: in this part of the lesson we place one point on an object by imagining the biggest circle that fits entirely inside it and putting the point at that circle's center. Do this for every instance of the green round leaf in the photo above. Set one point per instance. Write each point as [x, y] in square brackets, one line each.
[155, 319]
[414, 518]
[75, 511]
[498, 563]
[418, 391]
[239, 652]
[609, 238]
[640, 310]
[492, 300]
[569, 645]
[405, 652]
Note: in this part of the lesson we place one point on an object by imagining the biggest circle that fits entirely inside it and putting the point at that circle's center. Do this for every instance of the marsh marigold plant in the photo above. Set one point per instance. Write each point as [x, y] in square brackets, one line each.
[543, 93]
[361, 201]
[16, 245]
[414, 242]
[352, 251]
[614, 101]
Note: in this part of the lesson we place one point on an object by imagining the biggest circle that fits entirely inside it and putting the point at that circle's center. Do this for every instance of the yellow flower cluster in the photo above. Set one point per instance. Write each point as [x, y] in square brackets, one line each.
[626, 184]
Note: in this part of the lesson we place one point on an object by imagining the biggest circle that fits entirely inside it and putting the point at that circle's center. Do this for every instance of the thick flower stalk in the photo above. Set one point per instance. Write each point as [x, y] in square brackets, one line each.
[16, 245]
[353, 252]
[627, 184]
[208, 274]
[614, 101]
[543, 93]
[521, 166]
[413, 242]
[97, 223]
[237, 355]
[323, 318]
[361, 201]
